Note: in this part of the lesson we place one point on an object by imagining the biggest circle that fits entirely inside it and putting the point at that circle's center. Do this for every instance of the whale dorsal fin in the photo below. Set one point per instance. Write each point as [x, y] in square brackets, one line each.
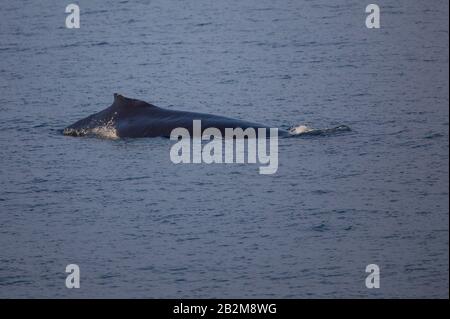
[121, 100]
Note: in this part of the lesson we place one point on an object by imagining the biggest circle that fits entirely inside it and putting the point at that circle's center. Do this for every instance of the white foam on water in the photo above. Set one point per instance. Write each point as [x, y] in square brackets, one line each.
[301, 129]
[107, 131]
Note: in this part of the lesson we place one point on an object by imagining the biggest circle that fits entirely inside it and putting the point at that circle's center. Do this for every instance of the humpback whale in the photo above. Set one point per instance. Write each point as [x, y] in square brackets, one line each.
[128, 117]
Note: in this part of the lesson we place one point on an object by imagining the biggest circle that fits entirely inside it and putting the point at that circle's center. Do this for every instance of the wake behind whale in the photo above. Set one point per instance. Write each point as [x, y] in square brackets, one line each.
[134, 118]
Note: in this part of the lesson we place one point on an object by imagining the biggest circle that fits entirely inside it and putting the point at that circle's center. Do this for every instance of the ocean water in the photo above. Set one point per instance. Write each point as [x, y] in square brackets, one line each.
[140, 226]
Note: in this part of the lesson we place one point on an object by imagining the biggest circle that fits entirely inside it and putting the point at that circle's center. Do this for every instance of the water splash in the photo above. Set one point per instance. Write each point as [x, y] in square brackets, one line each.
[301, 130]
[103, 130]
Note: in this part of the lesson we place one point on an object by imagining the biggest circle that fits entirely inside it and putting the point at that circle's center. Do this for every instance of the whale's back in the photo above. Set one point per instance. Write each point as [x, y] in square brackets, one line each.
[135, 118]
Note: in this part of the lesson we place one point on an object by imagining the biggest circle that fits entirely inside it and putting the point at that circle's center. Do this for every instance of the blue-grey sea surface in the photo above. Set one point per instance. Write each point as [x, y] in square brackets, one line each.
[140, 226]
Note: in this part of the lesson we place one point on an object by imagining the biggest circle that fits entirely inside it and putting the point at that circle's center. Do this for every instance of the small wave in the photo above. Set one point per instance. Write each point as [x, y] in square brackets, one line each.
[99, 43]
[434, 135]
[320, 228]
[203, 24]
